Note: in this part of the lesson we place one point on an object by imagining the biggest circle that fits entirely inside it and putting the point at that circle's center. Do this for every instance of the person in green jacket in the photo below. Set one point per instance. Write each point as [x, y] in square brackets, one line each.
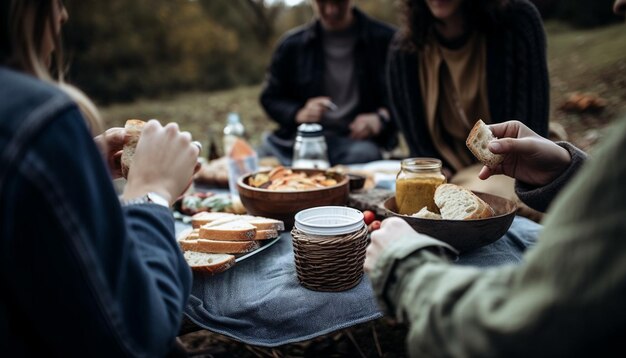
[567, 299]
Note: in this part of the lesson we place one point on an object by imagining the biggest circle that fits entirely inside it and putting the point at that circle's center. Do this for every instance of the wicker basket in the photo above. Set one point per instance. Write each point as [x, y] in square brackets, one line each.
[329, 263]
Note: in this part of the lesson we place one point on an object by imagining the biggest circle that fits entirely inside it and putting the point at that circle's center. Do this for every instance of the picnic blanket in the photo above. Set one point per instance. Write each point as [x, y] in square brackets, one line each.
[260, 301]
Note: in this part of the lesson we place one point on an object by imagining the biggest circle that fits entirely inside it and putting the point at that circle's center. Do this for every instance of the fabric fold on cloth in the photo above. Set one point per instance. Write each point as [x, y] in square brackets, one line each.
[260, 302]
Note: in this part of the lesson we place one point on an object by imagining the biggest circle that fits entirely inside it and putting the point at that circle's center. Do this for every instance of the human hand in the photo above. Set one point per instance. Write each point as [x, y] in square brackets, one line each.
[111, 143]
[365, 126]
[390, 229]
[528, 157]
[313, 110]
[164, 162]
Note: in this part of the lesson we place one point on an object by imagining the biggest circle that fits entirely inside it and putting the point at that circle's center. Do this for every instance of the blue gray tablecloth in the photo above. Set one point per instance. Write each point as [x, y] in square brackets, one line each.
[260, 302]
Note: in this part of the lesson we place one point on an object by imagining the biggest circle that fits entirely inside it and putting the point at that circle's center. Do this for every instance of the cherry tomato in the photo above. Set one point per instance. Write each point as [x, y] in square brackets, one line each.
[368, 216]
[375, 225]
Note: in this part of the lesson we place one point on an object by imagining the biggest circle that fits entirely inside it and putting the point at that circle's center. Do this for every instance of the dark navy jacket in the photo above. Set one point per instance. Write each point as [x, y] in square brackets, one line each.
[80, 275]
[297, 71]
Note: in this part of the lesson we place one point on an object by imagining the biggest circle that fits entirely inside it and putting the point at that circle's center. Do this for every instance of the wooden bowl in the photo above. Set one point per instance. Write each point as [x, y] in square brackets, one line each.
[463, 235]
[283, 205]
[356, 181]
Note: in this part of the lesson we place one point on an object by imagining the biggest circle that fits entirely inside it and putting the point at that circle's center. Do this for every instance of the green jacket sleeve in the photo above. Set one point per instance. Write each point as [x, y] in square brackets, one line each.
[566, 300]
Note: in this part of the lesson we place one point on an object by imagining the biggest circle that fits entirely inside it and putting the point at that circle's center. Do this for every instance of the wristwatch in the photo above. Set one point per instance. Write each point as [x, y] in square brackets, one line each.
[151, 197]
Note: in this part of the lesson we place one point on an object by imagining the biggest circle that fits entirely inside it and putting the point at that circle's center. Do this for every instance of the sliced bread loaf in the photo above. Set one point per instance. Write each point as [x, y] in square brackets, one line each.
[209, 263]
[458, 203]
[477, 142]
[218, 246]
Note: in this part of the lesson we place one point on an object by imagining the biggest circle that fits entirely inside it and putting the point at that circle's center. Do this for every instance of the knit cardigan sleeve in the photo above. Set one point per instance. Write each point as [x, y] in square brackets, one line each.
[525, 78]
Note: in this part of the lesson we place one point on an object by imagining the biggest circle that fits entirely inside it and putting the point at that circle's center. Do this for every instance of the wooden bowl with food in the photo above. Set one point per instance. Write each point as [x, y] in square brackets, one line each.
[463, 235]
[282, 192]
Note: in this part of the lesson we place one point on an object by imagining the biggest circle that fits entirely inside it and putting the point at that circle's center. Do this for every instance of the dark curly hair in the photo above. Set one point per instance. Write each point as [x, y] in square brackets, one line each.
[418, 22]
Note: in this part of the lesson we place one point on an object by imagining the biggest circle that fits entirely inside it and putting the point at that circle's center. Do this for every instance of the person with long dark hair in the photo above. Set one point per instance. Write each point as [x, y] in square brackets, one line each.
[565, 300]
[82, 274]
[456, 61]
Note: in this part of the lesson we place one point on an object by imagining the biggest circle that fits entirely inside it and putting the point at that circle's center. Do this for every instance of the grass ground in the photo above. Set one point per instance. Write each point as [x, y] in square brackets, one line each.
[584, 61]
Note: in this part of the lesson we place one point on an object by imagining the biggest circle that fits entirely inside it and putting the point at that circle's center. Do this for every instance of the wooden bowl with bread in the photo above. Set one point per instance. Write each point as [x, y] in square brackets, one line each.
[283, 192]
[463, 235]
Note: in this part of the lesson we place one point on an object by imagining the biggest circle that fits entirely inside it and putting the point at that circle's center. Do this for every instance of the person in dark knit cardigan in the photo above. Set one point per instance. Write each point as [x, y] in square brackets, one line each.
[457, 61]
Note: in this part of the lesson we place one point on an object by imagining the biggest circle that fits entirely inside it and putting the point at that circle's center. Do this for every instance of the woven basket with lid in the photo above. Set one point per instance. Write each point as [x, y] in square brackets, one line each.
[329, 263]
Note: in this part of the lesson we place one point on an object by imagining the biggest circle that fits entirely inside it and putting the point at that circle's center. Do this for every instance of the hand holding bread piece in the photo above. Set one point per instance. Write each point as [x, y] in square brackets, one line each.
[158, 159]
[528, 157]
[478, 141]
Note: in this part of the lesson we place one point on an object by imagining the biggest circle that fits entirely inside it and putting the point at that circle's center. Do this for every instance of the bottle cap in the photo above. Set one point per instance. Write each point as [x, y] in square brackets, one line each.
[310, 130]
[232, 118]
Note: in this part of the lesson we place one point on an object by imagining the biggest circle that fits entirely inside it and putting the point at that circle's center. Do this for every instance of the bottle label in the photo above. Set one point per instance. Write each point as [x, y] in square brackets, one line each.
[238, 168]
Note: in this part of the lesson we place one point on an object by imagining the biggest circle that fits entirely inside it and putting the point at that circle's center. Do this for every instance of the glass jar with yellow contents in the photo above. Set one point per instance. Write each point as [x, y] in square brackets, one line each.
[416, 183]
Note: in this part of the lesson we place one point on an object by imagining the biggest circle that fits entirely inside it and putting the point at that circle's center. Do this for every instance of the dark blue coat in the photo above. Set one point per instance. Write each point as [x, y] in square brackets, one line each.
[80, 275]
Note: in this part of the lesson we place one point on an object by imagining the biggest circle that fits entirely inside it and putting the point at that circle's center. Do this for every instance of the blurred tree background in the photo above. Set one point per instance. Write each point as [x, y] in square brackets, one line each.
[121, 50]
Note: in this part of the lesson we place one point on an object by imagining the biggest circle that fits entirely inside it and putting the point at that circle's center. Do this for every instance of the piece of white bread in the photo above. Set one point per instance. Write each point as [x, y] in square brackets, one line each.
[237, 230]
[266, 234]
[206, 217]
[216, 219]
[133, 129]
[424, 213]
[458, 203]
[477, 142]
[209, 263]
[218, 246]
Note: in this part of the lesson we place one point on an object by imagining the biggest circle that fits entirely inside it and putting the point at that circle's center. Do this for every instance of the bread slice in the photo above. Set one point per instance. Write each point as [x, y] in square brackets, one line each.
[209, 263]
[218, 219]
[238, 230]
[262, 223]
[477, 142]
[266, 234]
[207, 217]
[424, 213]
[133, 129]
[458, 203]
[218, 246]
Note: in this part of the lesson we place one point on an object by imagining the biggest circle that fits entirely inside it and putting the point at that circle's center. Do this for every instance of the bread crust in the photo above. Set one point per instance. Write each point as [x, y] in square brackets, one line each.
[218, 246]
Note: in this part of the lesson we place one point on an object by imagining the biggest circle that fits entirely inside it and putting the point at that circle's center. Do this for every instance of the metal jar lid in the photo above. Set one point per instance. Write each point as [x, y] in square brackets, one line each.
[310, 130]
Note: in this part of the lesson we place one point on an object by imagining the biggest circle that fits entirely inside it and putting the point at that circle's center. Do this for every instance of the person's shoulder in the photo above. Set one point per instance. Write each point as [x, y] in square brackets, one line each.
[296, 36]
[521, 11]
[377, 27]
[17, 84]
[29, 97]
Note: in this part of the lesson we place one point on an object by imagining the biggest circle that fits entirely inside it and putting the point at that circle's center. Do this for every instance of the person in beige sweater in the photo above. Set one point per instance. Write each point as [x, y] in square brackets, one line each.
[567, 299]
